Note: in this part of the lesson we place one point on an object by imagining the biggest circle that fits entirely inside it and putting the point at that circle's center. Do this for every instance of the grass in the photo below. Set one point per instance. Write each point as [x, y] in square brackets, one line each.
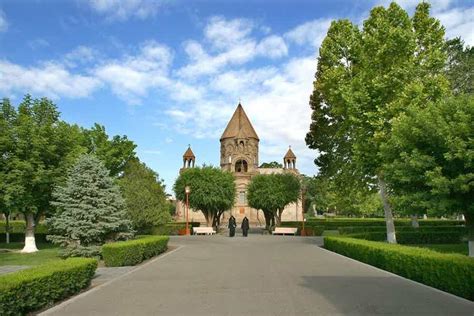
[47, 253]
[447, 248]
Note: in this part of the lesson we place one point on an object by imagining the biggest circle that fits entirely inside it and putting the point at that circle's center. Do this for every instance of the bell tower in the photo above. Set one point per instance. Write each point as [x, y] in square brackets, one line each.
[239, 144]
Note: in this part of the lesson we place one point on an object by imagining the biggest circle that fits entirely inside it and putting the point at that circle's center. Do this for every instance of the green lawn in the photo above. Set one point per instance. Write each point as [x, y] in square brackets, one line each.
[47, 252]
[447, 248]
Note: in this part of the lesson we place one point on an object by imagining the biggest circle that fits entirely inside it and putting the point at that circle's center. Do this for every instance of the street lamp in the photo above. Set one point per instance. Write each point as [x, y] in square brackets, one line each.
[187, 190]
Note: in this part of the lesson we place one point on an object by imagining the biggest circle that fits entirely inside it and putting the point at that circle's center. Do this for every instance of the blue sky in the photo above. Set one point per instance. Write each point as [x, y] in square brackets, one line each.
[170, 73]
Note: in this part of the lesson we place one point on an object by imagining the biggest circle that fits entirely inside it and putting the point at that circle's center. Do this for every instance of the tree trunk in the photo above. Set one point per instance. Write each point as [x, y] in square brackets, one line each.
[391, 237]
[268, 220]
[414, 221]
[30, 244]
[278, 217]
[209, 219]
[7, 228]
[470, 226]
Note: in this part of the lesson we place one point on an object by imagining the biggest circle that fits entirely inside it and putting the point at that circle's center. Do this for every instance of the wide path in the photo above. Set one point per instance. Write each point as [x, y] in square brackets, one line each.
[259, 275]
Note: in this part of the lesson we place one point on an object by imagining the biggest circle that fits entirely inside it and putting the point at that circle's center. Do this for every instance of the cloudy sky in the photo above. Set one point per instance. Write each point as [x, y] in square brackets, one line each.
[170, 73]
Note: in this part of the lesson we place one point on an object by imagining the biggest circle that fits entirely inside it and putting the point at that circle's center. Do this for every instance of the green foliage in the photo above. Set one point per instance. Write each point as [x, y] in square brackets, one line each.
[417, 237]
[114, 153]
[144, 195]
[132, 252]
[310, 228]
[459, 66]
[212, 190]
[271, 193]
[172, 228]
[29, 290]
[448, 272]
[432, 150]
[47, 253]
[90, 210]
[272, 164]
[345, 230]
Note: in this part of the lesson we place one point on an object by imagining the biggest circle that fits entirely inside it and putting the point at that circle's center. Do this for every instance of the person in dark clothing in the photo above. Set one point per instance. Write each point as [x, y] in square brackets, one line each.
[245, 226]
[232, 225]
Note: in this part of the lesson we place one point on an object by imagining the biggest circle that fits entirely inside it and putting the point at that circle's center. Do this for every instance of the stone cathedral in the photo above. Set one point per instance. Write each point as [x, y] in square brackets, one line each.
[239, 155]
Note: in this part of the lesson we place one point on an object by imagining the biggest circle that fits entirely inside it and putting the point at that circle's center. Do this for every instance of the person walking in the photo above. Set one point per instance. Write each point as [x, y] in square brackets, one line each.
[245, 226]
[232, 225]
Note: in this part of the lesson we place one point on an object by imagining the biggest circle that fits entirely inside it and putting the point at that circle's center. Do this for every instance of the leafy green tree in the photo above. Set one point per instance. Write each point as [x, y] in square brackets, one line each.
[89, 210]
[212, 191]
[7, 150]
[430, 159]
[365, 80]
[114, 152]
[271, 193]
[144, 194]
[459, 65]
[272, 164]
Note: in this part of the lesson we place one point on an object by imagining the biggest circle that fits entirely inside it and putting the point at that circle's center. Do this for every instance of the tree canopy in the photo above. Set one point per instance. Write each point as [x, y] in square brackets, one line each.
[145, 196]
[271, 193]
[212, 190]
[272, 164]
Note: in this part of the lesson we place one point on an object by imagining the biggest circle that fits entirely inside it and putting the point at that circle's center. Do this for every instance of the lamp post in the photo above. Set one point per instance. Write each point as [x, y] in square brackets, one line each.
[187, 190]
[303, 193]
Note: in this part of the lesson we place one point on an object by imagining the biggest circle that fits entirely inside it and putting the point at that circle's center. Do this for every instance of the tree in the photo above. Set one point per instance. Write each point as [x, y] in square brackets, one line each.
[271, 193]
[7, 148]
[115, 152]
[272, 164]
[430, 159]
[144, 194]
[364, 81]
[212, 191]
[89, 210]
[459, 65]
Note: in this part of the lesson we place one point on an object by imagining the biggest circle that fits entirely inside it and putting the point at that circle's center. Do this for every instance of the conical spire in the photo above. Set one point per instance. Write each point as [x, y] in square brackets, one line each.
[290, 154]
[189, 153]
[239, 126]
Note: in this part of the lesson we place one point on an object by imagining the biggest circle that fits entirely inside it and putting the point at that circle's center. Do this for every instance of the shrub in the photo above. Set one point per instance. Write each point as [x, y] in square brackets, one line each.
[28, 290]
[313, 230]
[171, 228]
[132, 252]
[335, 223]
[447, 237]
[20, 226]
[448, 272]
[402, 229]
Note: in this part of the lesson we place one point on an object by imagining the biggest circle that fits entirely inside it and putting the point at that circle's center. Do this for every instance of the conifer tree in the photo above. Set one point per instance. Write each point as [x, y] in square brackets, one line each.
[89, 210]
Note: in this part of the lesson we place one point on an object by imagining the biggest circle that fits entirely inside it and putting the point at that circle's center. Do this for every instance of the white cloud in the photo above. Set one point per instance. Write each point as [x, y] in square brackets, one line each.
[49, 79]
[272, 46]
[123, 9]
[225, 34]
[312, 32]
[132, 76]
[3, 22]
[38, 43]
[458, 22]
[81, 55]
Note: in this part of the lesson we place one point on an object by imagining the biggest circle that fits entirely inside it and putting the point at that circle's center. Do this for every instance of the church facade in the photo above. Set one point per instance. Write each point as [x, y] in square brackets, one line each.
[239, 154]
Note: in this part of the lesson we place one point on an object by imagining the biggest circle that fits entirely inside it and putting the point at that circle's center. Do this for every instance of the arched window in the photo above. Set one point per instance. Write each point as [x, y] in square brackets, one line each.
[241, 166]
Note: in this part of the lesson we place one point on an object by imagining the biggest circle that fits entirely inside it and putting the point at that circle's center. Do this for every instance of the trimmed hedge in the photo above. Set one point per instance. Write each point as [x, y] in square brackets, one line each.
[28, 290]
[448, 272]
[312, 230]
[132, 252]
[17, 231]
[425, 229]
[171, 228]
[334, 223]
[447, 237]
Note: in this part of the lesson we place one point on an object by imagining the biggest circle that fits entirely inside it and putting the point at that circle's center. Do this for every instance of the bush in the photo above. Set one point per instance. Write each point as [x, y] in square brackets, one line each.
[28, 290]
[310, 228]
[402, 229]
[17, 231]
[447, 237]
[335, 223]
[171, 228]
[132, 252]
[448, 272]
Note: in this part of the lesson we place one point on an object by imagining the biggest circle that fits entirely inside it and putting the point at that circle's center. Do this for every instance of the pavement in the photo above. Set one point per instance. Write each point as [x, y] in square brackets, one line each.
[259, 275]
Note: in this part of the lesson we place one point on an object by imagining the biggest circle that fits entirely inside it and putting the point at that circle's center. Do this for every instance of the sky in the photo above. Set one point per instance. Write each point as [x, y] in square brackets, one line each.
[171, 73]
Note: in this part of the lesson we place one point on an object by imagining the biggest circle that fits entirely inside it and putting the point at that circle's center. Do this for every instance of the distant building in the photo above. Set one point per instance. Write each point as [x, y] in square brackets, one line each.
[239, 155]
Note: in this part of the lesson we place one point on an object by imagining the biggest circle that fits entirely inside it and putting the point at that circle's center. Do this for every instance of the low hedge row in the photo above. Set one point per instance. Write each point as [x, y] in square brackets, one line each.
[132, 252]
[311, 230]
[407, 238]
[20, 237]
[332, 224]
[20, 226]
[171, 228]
[28, 290]
[448, 272]
[369, 229]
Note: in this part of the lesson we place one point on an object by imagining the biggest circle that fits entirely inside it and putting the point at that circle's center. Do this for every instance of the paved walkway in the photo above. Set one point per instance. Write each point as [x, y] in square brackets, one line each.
[259, 275]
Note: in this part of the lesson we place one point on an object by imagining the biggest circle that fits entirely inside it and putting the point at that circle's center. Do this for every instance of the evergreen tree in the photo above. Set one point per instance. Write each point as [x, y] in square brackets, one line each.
[89, 210]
